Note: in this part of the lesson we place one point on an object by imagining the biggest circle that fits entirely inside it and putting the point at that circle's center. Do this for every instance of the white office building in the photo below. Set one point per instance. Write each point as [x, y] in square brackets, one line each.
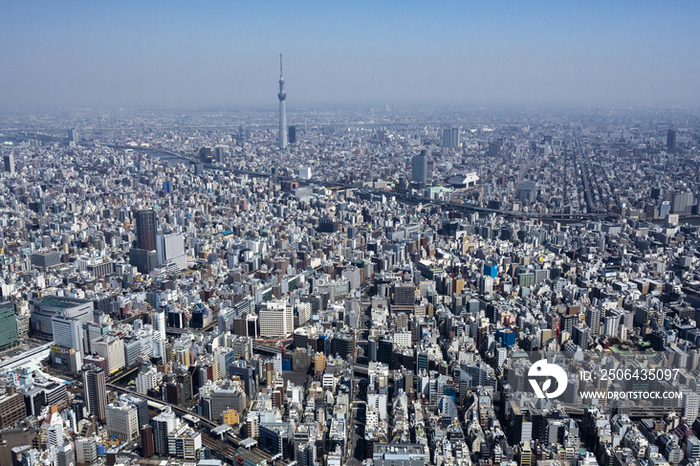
[691, 404]
[112, 349]
[86, 449]
[147, 380]
[171, 249]
[67, 332]
[158, 322]
[276, 319]
[305, 173]
[402, 340]
[304, 311]
[122, 421]
[163, 424]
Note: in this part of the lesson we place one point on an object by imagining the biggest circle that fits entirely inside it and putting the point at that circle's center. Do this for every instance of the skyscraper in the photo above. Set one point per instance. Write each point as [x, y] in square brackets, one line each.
[146, 228]
[593, 320]
[691, 403]
[158, 322]
[65, 455]
[671, 139]
[9, 160]
[581, 336]
[95, 391]
[147, 447]
[455, 136]
[206, 155]
[447, 138]
[67, 332]
[163, 424]
[292, 134]
[283, 116]
[682, 203]
[220, 154]
[419, 165]
[171, 249]
[8, 325]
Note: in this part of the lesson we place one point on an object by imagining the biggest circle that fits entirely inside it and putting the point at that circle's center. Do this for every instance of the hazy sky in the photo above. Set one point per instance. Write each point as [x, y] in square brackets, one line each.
[199, 53]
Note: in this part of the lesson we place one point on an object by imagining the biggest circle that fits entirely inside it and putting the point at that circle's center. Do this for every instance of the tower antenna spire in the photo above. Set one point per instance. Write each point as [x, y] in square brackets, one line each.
[283, 117]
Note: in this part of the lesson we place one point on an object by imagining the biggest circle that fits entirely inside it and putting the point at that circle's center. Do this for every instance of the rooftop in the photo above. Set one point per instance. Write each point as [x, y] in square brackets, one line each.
[60, 302]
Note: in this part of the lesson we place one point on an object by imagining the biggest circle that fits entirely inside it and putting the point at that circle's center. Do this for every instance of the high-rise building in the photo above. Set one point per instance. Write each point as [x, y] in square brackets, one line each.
[67, 332]
[447, 138]
[306, 454]
[168, 187]
[385, 352]
[404, 294]
[147, 379]
[163, 424]
[146, 230]
[77, 407]
[86, 449]
[54, 435]
[225, 398]
[581, 336]
[65, 455]
[9, 161]
[12, 408]
[220, 152]
[158, 322]
[664, 209]
[67, 349]
[144, 261]
[419, 165]
[485, 285]
[147, 446]
[671, 139]
[95, 391]
[122, 421]
[455, 136]
[305, 173]
[692, 449]
[171, 250]
[691, 404]
[682, 203]
[292, 134]
[593, 320]
[94, 330]
[283, 115]
[276, 319]
[72, 135]
[8, 325]
[206, 155]
[111, 348]
[241, 133]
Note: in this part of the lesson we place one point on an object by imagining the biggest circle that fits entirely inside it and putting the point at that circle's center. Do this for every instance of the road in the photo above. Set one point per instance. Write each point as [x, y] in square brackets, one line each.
[356, 427]
[585, 176]
[356, 442]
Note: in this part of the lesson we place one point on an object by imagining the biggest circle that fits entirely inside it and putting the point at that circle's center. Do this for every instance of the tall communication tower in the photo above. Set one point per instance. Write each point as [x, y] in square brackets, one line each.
[283, 114]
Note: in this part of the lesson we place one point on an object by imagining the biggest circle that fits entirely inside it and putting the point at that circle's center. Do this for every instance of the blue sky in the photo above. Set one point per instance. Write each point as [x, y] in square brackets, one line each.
[226, 53]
